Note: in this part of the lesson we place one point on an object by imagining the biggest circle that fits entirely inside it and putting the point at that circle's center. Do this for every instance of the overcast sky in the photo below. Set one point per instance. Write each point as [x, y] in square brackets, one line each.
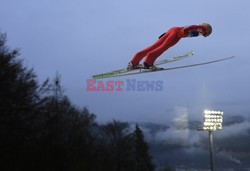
[84, 37]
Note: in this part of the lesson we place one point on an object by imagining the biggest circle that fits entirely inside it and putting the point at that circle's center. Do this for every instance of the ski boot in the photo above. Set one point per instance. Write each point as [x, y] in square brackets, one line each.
[131, 66]
[147, 67]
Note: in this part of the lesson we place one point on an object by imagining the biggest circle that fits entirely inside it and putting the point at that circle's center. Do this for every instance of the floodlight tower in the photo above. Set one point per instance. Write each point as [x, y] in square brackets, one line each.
[212, 122]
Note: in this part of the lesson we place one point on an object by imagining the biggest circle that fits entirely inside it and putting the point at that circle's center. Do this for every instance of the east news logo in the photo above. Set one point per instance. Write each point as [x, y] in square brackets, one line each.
[128, 85]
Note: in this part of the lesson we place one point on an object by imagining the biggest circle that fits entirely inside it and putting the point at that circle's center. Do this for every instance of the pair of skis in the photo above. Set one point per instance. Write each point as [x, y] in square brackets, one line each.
[126, 72]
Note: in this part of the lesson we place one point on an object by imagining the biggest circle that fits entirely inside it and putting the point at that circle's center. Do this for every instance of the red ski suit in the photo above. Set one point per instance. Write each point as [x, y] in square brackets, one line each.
[167, 40]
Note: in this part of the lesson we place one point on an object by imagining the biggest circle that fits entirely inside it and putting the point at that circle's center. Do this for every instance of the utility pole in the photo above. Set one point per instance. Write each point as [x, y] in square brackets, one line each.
[211, 146]
[212, 122]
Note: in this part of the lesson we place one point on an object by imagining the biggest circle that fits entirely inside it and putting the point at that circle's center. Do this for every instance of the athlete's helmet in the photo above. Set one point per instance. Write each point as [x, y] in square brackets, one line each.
[208, 29]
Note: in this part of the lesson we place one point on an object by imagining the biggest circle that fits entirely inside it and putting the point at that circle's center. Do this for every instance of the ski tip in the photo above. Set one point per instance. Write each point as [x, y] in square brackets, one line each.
[231, 57]
[191, 53]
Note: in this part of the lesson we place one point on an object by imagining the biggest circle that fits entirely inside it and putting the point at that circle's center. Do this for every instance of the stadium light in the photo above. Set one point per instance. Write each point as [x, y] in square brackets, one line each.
[212, 122]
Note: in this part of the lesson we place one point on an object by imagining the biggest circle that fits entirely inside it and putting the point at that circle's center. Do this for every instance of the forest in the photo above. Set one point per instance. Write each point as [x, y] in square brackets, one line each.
[41, 130]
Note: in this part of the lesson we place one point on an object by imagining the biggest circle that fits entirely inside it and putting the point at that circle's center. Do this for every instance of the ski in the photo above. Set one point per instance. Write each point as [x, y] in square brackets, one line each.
[173, 68]
[165, 61]
[125, 70]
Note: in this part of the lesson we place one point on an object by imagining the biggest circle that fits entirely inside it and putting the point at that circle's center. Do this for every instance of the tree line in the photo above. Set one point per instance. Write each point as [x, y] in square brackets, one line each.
[40, 129]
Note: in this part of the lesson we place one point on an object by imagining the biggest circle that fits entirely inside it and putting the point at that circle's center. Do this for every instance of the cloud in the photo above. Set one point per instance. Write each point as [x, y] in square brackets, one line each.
[178, 139]
[229, 156]
[235, 130]
[178, 131]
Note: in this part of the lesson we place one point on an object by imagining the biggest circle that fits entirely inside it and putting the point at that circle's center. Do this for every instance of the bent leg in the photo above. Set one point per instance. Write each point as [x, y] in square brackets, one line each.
[171, 40]
[141, 54]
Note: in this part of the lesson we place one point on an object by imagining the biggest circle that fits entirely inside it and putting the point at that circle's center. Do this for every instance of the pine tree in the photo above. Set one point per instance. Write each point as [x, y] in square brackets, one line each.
[116, 148]
[18, 99]
[142, 157]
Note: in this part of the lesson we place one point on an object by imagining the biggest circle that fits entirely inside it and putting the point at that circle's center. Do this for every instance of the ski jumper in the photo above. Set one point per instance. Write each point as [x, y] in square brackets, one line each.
[165, 41]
